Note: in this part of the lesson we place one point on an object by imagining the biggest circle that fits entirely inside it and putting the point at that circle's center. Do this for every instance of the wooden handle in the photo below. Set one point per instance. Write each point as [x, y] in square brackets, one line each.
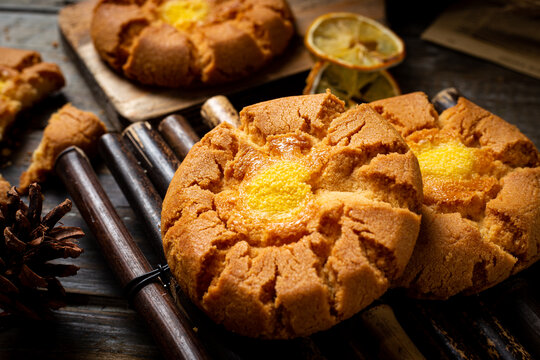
[217, 110]
[518, 306]
[492, 337]
[155, 156]
[171, 329]
[445, 99]
[394, 343]
[135, 185]
[179, 134]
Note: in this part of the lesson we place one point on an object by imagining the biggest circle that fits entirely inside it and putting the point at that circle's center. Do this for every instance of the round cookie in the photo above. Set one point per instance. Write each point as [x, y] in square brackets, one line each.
[295, 221]
[481, 213]
[178, 43]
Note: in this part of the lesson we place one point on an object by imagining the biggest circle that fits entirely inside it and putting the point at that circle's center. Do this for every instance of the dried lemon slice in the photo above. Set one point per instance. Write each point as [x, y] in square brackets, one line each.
[351, 86]
[354, 41]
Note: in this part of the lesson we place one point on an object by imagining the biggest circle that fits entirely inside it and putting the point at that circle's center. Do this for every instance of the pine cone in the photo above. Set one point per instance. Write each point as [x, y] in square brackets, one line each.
[28, 282]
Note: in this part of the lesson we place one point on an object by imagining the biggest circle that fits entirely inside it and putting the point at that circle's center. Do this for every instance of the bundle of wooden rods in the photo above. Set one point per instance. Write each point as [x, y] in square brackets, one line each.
[143, 163]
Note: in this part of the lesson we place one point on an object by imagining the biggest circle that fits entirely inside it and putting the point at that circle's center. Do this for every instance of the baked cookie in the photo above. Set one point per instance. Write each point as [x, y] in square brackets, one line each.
[178, 43]
[295, 221]
[68, 126]
[481, 213]
[24, 80]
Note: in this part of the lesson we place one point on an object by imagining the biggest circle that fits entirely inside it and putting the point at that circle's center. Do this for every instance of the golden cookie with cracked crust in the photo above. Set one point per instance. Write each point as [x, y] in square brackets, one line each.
[24, 80]
[481, 212]
[178, 43]
[294, 221]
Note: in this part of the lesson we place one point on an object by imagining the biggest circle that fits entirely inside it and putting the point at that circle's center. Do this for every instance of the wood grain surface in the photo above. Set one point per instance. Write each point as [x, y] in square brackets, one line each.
[99, 324]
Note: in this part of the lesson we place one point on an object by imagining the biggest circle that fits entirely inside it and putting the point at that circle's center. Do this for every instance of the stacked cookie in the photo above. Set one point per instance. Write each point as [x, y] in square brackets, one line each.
[307, 212]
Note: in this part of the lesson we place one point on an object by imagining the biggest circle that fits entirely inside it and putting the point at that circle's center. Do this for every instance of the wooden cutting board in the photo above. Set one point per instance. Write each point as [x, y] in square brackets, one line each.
[135, 102]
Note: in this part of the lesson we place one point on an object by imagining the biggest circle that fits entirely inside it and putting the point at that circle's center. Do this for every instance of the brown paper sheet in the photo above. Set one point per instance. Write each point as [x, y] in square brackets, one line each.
[502, 32]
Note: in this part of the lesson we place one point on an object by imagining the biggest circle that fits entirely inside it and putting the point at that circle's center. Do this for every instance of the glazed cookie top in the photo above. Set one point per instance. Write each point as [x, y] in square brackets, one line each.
[481, 217]
[294, 221]
[178, 43]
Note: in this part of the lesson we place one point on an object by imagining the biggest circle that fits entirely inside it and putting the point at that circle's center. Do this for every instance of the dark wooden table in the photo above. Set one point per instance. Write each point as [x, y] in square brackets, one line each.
[98, 323]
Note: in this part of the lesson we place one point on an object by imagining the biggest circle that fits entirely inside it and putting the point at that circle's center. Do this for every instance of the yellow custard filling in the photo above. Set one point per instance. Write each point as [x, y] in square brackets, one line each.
[450, 159]
[182, 13]
[279, 191]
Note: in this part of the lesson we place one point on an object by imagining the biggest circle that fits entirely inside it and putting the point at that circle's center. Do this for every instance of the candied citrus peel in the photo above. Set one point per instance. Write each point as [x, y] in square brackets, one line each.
[448, 159]
[279, 191]
[182, 13]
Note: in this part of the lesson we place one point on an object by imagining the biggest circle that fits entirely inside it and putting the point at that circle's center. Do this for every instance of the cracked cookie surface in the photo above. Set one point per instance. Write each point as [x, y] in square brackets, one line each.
[182, 43]
[481, 212]
[24, 81]
[295, 221]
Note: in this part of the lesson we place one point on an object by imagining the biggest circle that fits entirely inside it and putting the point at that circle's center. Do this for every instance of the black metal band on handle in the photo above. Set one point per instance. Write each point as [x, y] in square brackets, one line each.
[134, 286]
[172, 330]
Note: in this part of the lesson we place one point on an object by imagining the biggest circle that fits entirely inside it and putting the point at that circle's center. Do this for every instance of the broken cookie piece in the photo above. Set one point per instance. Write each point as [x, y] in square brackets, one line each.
[24, 80]
[69, 126]
[4, 188]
